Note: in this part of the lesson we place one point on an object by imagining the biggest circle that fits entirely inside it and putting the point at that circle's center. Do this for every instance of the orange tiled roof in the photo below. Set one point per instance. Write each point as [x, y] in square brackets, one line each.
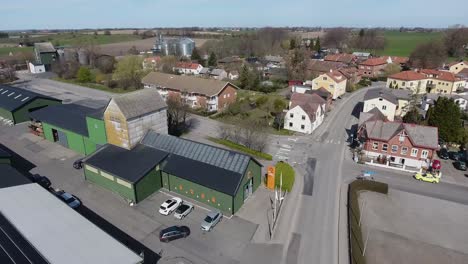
[408, 76]
[187, 65]
[374, 62]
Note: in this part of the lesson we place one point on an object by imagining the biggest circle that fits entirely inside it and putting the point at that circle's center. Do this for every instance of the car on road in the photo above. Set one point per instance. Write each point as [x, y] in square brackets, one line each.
[78, 164]
[169, 206]
[211, 219]
[443, 154]
[173, 232]
[69, 199]
[42, 181]
[183, 210]
[427, 177]
[461, 165]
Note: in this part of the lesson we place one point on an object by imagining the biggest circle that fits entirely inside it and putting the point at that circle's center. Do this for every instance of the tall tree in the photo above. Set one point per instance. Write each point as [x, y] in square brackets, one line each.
[212, 60]
[292, 44]
[196, 56]
[243, 80]
[413, 116]
[317, 46]
[129, 72]
[455, 40]
[428, 55]
[335, 37]
[446, 115]
[177, 112]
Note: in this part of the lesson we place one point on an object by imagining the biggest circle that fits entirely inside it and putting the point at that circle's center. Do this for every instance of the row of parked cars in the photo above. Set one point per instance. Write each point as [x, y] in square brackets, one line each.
[458, 157]
[65, 197]
[181, 209]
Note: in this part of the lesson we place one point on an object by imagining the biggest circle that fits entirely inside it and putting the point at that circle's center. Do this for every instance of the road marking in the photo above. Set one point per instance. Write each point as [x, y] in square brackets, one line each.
[293, 139]
[286, 146]
[284, 149]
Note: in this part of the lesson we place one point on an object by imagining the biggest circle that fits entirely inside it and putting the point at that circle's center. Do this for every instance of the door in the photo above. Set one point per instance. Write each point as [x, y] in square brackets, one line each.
[248, 188]
[62, 138]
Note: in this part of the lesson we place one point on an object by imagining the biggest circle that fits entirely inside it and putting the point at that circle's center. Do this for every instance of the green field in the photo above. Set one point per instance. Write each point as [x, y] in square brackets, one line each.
[14, 50]
[403, 43]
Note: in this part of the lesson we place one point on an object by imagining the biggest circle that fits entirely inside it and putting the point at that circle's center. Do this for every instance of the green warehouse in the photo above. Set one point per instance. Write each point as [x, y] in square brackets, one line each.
[46, 54]
[76, 127]
[16, 104]
[220, 178]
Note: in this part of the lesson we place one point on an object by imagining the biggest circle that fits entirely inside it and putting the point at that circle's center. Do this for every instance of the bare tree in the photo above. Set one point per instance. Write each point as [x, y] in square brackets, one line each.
[177, 113]
[428, 55]
[455, 40]
[372, 40]
[336, 37]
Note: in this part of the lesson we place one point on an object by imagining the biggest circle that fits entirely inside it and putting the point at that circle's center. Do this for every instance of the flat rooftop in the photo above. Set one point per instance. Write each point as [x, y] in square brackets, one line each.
[57, 232]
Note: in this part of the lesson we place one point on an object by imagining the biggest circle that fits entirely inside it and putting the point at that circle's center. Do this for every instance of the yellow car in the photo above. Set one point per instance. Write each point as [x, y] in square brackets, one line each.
[427, 177]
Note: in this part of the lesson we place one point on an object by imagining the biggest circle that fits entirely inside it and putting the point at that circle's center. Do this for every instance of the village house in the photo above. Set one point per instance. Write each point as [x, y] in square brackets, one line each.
[209, 94]
[317, 67]
[45, 54]
[341, 57]
[188, 68]
[426, 81]
[362, 56]
[151, 63]
[333, 81]
[429, 100]
[398, 144]
[305, 114]
[391, 103]
[374, 67]
[457, 67]
[217, 74]
[233, 75]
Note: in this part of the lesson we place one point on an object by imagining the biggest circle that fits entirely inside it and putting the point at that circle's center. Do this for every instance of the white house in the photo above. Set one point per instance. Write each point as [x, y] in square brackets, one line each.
[301, 88]
[429, 100]
[382, 99]
[36, 68]
[188, 68]
[305, 114]
[233, 75]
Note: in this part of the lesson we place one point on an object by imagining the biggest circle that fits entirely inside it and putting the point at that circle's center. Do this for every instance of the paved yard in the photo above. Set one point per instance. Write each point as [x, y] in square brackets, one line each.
[229, 242]
[453, 175]
[410, 228]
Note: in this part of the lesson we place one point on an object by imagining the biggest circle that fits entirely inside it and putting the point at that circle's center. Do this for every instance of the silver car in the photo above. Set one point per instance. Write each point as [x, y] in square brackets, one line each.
[211, 219]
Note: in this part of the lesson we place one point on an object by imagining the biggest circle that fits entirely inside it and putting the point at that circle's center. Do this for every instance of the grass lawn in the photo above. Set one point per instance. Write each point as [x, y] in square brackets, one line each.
[403, 43]
[95, 86]
[73, 39]
[241, 148]
[288, 176]
[14, 50]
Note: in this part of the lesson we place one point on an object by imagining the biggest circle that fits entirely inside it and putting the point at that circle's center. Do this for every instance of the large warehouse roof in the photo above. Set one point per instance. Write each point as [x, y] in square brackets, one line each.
[9, 177]
[12, 98]
[67, 116]
[222, 158]
[59, 233]
[130, 165]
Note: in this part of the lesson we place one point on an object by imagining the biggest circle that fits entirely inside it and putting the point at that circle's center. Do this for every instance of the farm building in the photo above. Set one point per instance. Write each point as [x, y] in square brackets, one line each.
[73, 126]
[45, 54]
[220, 178]
[5, 157]
[17, 103]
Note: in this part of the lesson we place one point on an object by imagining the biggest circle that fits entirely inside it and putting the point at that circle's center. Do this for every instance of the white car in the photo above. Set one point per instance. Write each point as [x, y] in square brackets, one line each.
[183, 210]
[169, 206]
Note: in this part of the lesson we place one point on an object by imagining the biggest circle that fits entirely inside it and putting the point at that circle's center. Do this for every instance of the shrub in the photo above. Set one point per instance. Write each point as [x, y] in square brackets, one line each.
[261, 100]
[84, 75]
[288, 175]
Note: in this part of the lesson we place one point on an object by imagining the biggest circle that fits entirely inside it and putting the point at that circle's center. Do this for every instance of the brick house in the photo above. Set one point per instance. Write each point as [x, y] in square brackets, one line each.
[398, 144]
[209, 94]
[373, 67]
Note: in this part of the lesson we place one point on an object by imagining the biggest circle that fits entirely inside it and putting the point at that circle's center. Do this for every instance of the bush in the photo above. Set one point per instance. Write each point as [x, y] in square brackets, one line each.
[241, 148]
[84, 75]
[288, 175]
[261, 100]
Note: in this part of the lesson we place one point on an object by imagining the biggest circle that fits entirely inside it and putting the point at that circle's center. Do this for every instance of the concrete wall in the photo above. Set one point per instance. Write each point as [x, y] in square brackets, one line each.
[138, 127]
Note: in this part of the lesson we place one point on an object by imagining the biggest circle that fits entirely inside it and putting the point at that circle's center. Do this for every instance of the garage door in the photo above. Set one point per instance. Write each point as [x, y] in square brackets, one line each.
[62, 138]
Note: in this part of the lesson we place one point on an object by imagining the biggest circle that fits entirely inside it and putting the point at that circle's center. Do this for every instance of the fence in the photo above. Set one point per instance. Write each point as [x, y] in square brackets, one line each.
[356, 243]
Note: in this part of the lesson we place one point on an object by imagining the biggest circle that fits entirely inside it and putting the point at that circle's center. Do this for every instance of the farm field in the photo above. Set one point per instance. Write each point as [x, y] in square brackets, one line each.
[403, 43]
[5, 51]
[65, 39]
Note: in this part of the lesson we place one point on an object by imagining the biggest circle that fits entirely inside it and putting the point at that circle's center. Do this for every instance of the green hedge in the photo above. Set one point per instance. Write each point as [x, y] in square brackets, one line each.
[288, 175]
[241, 148]
[355, 233]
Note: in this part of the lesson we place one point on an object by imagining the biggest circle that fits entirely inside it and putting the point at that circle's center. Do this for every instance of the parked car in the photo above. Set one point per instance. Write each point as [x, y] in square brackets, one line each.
[461, 165]
[41, 180]
[78, 164]
[443, 154]
[427, 177]
[173, 232]
[69, 199]
[183, 210]
[169, 206]
[211, 219]
[454, 155]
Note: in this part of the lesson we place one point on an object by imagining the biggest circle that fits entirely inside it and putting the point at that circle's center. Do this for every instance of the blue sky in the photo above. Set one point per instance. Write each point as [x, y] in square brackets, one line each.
[49, 14]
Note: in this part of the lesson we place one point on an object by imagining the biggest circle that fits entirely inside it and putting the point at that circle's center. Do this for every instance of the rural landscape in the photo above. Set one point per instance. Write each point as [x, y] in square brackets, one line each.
[218, 133]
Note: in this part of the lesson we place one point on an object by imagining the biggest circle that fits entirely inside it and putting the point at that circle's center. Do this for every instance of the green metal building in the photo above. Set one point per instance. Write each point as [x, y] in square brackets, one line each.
[220, 178]
[73, 126]
[45, 54]
[5, 157]
[16, 104]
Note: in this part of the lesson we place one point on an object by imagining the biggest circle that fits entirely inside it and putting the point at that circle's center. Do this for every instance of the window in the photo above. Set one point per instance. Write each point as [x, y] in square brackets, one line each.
[403, 83]
[394, 148]
[410, 84]
[124, 183]
[107, 176]
[302, 127]
[291, 115]
[375, 145]
[384, 107]
[224, 96]
[414, 152]
[303, 117]
[384, 147]
[325, 78]
[290, 124]
[424, 154]
[229, 95]
[91, 169]
[404, 150]
[402, 137]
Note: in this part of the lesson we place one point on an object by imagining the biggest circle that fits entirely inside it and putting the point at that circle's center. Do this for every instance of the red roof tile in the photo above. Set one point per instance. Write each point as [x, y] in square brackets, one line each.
[343, 57]
[374, 61]
[408, 76]
[187, 65]
[336, 76]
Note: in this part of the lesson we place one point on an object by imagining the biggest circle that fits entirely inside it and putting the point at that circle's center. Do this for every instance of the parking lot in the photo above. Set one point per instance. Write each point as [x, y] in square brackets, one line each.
[229, 242]
[451, 174]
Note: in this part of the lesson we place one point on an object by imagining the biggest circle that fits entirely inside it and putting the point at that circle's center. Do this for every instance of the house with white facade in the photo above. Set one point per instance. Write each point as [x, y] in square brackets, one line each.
[429, 100]
[305, 114]
[188, 68]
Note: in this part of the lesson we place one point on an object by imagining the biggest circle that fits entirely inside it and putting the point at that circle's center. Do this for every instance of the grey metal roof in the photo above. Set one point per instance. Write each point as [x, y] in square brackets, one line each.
[132, 164]
[67, 116]
[139, 103]
[222, 158]
[381, 93]
[9, 176]
[12, 98]
[58, 232]
[217, 72]
[44, 47]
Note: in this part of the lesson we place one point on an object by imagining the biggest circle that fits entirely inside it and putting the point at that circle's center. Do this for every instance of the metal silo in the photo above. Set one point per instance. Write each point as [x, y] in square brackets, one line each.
[185, 47]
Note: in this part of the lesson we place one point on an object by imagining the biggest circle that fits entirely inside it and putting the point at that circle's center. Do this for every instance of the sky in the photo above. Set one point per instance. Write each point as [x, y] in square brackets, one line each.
[66, 14]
